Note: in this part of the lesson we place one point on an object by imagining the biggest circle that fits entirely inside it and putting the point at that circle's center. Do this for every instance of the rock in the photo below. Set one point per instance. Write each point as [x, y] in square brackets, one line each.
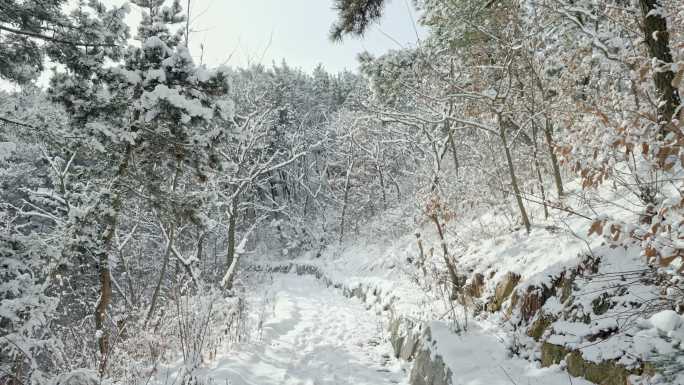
[429, 370]
[601, 304]
[564, 286]
[358, 292]
[532, 301]
[667, 320]
[411, 343]
[396, 338]
[78, 377]
[552, 354]
[503, 290]
[539, 326]
[397, 344]
[604, 373]
[515, 298]
[475, 287]
[405, 337]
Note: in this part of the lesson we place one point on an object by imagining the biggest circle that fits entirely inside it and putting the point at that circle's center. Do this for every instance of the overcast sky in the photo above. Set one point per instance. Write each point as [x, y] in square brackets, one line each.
[242, 32]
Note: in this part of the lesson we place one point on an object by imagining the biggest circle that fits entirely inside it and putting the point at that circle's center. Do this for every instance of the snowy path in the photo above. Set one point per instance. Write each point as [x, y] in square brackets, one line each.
[314, 337]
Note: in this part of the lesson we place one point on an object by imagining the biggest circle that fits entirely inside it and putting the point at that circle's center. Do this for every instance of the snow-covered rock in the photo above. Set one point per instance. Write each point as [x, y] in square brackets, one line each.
[667, 320]
[78, 377]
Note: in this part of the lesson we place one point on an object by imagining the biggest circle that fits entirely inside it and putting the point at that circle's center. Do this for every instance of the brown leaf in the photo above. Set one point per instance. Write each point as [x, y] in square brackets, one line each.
[615, 230]
[654, 228]
[596, 228]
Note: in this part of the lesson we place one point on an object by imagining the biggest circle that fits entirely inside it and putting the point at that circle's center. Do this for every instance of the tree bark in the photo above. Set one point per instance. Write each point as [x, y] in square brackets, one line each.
[451, 269]
[539, 175]
[101, 307]
[448, 123]
[382, 184]
[169, 248]
[514, 179]
[452, 143]
[157, 288]
[657, 39]
[231, 272]
[548, 135]
[346, 195]
[111, 219]
[232, 222]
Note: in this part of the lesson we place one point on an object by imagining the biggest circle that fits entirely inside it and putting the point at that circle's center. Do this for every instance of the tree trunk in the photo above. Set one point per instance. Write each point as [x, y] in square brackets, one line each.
[548, 136]
[227, 281]
[657, 39]
[452, 143]
[111, 219]
[439, 157]
[346, 195]
[382, 184]
[230, 273]
[450, 132]
[169, 247]
[232, 222]
[514, 179]
[554, 159]
[539, 175]
[157, 288]
[451, 269]
[421, 256]
[102, 304]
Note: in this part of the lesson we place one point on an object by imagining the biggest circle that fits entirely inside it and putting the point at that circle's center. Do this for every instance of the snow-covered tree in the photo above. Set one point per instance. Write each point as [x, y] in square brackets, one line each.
[33, 30]
[148, 121]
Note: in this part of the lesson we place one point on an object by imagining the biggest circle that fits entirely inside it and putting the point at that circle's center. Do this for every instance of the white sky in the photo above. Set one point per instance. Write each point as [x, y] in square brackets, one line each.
[242, 32]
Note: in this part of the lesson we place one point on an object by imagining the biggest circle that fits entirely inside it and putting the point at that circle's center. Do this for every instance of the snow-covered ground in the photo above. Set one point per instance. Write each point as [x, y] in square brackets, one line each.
[479, 356]
[314, 335]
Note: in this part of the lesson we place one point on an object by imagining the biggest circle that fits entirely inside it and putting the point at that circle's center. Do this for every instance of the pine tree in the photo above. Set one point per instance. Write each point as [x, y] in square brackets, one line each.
[355, 16]
[32, 30]
[149, 119]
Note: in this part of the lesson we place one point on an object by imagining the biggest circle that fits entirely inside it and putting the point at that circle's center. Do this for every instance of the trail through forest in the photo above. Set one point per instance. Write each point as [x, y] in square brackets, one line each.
[313, 336]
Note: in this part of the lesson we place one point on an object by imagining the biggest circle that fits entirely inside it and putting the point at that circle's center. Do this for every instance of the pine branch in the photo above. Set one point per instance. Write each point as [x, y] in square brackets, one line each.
[54, 39]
